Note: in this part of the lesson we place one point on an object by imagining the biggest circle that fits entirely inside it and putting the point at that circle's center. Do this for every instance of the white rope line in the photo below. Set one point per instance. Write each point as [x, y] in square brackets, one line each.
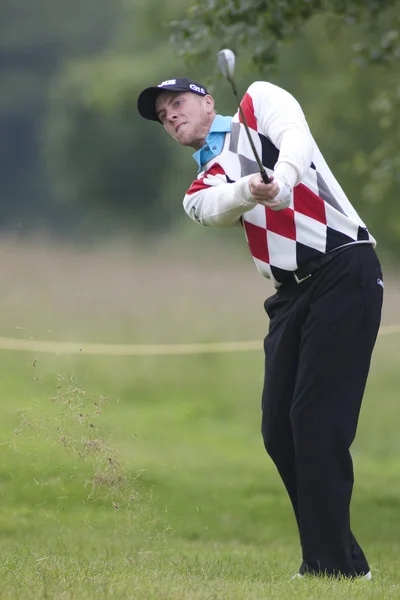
[50, 347]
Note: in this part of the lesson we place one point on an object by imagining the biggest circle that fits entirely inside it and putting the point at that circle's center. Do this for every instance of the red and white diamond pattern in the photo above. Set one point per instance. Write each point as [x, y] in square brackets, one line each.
[309, 227]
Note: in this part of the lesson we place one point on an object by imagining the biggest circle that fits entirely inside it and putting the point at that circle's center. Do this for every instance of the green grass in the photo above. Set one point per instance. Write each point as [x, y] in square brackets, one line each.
[146, 478]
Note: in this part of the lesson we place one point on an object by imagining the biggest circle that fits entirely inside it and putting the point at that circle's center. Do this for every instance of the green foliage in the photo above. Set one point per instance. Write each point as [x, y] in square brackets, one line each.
[265, 24]
[261, 25]
[381, 167]
[99, 151]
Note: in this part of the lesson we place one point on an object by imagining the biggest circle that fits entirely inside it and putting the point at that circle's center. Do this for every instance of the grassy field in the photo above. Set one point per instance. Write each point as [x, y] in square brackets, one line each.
[145, 477]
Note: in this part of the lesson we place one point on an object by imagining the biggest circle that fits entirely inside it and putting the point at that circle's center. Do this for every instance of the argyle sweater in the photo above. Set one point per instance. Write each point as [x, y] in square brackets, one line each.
[319, 218]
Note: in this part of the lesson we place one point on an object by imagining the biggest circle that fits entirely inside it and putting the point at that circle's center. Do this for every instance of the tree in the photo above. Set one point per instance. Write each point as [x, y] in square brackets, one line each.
[99, 152]
[264, 25]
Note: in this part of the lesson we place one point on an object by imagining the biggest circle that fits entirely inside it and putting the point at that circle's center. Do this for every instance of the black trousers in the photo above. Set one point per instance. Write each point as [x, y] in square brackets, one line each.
[317, 357]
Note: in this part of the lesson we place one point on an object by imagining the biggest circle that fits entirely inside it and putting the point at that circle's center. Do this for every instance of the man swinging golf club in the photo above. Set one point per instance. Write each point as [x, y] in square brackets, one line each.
[262, 170]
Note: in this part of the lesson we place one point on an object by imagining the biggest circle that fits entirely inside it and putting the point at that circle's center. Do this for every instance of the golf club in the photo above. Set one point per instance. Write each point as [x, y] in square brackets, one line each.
[226, 64]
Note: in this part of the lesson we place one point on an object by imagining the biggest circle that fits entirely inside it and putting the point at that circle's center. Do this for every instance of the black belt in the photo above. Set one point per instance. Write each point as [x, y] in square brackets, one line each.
[307, 269]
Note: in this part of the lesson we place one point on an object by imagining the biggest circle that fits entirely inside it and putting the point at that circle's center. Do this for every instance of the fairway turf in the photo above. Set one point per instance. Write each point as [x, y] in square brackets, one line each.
[145, 478]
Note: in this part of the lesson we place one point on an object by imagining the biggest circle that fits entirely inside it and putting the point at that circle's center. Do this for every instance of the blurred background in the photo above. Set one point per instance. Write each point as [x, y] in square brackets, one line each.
[91, 194]
[76, 158]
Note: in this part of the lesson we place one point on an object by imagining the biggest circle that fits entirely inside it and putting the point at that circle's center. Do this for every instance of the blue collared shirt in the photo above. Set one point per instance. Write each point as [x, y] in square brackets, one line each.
[214, 141]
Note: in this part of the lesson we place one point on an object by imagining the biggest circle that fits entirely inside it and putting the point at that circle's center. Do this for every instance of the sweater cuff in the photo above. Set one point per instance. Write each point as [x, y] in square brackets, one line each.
[243, 192]
[286, 173]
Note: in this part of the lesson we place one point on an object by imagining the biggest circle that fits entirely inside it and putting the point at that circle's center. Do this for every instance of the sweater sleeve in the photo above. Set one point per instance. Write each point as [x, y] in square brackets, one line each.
[281, 119]
[211, 200]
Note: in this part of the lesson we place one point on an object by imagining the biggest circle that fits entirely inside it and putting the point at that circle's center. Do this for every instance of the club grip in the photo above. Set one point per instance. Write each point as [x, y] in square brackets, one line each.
[265, 178]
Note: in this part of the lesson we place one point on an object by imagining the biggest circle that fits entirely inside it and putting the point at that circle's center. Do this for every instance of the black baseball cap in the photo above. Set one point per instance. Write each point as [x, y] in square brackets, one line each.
[146, 103]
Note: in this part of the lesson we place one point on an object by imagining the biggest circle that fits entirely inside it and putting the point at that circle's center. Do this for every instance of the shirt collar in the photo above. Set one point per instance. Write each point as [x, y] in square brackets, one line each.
[221, 124]
[219, 127]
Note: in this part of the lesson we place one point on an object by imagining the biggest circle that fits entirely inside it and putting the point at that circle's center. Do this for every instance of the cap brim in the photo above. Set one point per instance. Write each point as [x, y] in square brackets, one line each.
[146, 103]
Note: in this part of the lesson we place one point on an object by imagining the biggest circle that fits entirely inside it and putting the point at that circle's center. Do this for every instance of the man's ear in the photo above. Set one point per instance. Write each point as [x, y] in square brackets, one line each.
[210, 104]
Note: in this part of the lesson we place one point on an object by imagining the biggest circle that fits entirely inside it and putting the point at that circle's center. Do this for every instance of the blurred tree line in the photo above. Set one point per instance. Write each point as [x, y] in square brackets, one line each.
[75, 156]
[36, 40]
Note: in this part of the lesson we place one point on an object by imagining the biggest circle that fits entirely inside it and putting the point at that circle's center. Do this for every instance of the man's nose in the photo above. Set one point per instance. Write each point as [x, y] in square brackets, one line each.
[172, 116]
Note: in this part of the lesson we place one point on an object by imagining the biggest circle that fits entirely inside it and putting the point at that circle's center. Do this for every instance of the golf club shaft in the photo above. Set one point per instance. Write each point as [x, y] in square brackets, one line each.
[261, 168]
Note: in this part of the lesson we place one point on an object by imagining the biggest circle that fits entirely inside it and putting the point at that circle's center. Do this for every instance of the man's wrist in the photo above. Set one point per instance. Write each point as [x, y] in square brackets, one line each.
[243, 190]
[287, 173]
[283, 196]
[285, 190]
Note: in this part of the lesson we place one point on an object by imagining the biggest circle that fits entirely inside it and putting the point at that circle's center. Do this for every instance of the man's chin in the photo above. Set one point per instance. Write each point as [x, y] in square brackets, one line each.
[184, 140]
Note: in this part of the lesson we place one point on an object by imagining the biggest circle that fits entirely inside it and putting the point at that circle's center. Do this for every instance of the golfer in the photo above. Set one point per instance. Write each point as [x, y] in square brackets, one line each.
[304, 235]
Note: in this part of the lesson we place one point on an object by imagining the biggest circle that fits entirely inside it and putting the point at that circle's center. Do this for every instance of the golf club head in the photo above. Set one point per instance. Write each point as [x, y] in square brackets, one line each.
[226, 63]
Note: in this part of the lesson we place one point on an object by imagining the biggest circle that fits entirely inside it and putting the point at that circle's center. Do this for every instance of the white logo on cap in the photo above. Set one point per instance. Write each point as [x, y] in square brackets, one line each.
[197, 89]
[168, 82]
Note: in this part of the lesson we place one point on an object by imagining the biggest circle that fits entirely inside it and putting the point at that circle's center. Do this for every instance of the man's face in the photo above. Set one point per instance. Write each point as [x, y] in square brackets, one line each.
[187, 117]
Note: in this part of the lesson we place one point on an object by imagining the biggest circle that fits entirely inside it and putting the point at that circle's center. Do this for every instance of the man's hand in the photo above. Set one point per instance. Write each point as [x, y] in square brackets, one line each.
[274, 195]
